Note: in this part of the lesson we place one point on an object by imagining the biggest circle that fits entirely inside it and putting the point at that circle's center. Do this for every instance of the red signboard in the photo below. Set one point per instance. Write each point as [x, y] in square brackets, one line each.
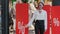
[55, 19]
[21, 18]
[47, 8]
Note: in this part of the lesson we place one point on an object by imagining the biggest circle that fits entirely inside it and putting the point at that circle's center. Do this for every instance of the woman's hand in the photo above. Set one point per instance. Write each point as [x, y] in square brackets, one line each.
[26, 26]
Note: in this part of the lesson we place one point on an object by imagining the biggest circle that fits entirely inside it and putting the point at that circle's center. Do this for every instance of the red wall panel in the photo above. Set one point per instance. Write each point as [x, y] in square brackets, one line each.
[47, 8]
[55, 19]
[22, 16]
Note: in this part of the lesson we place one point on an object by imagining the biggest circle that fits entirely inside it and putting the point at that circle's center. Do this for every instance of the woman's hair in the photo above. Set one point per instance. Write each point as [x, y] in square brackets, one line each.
[41, 3]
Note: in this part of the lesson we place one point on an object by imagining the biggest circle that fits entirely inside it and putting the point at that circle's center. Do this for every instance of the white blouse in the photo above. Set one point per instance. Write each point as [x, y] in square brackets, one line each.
[39, 16]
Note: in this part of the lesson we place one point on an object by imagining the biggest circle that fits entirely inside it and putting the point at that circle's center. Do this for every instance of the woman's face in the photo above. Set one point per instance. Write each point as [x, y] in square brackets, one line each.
[40, 5]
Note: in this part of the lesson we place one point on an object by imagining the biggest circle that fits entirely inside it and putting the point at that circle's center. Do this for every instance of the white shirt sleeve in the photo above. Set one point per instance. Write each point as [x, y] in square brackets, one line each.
[45, 21]
[31, 20]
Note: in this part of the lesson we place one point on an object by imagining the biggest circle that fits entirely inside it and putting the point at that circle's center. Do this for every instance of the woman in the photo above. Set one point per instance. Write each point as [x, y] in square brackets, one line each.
[40, 16]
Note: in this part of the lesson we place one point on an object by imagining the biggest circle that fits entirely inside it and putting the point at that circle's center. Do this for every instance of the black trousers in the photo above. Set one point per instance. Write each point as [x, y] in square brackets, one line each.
[39, 27]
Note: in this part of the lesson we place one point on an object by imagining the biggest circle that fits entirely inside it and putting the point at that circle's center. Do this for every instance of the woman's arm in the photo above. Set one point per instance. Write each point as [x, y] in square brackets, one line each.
[45, 21]
[31, 20]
